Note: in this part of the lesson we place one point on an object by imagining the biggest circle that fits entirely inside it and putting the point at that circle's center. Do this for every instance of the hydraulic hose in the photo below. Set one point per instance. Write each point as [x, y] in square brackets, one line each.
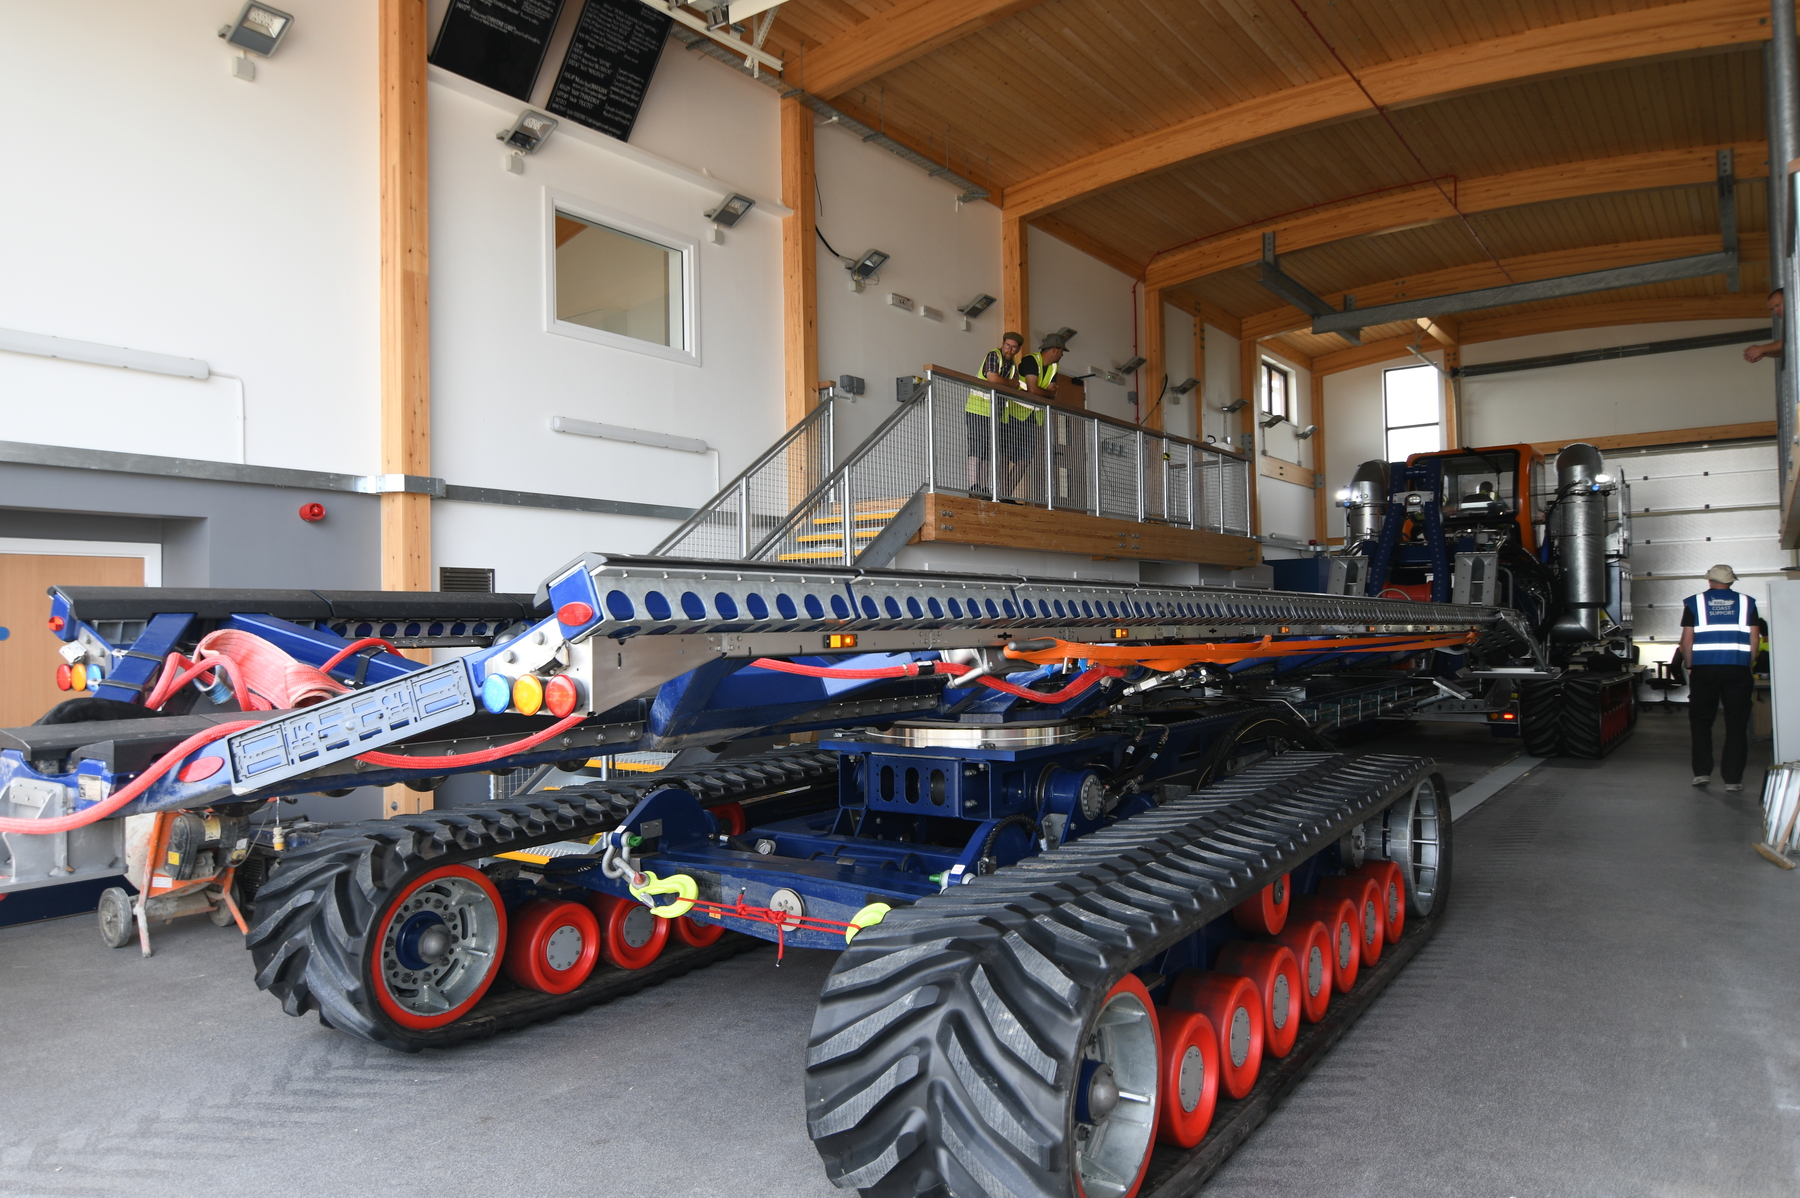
[331, 663]
[399, 761]
[129, 791]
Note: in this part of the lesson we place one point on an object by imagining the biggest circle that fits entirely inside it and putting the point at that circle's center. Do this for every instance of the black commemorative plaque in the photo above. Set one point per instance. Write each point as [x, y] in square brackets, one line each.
[611, 58]
[499, 43]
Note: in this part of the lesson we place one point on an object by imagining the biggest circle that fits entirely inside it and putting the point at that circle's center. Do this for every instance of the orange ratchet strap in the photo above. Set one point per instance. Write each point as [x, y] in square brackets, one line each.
[1165, 658]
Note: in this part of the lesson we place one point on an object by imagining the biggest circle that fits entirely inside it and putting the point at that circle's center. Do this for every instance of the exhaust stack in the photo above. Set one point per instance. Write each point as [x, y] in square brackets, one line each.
[1578, 531]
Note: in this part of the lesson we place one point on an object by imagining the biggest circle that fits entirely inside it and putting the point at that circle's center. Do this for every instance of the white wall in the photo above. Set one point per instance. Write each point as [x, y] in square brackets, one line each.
[498, 375]
[940, 256]
[1220, 386]
[153, 201]
[1071, 290]
[1355, 432]
[1626, 395]
[1178, 353]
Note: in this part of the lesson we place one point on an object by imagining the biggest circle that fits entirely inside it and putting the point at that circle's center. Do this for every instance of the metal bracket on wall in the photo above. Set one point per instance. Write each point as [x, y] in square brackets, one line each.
[1728, 230]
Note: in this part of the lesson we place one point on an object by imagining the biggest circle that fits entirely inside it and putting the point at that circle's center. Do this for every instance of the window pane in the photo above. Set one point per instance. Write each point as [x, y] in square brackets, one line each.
[1275, 389]
[1412, 395]
[617, 283]
[1404, 442]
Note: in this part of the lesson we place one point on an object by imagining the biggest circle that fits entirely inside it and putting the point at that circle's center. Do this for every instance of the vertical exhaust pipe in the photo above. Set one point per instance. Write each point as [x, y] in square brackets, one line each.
[1578, 533]
[1365, 502]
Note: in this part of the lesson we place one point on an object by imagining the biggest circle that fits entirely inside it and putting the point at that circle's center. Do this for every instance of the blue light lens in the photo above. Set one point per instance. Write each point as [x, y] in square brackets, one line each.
[496, 693]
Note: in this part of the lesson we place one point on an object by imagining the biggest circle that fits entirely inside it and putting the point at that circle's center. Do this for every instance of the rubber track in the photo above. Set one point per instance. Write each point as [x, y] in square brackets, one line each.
[1541, 716]
[1582, 715]
[946, 1036]
[314, 915]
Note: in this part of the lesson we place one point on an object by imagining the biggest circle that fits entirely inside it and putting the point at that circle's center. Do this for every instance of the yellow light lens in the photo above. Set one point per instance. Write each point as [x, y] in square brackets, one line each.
[840, 640]
[78, 677]
[528, 694]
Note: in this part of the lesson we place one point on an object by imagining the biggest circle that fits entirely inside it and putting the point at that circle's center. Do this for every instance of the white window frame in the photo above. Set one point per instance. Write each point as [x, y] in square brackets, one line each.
[1289, 401]
[689, 249]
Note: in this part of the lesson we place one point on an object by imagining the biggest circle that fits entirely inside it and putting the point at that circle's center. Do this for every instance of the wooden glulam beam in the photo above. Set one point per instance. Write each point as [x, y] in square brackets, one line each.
[1425, 204]
[892, 39]
[1669, 436]
[799, 263]
[1668, 31]
[1015, 279]
[1555, 320]
[1522, 269]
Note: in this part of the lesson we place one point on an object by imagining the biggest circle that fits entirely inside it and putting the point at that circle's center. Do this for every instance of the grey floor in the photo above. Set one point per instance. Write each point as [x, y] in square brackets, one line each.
[1609, 1009]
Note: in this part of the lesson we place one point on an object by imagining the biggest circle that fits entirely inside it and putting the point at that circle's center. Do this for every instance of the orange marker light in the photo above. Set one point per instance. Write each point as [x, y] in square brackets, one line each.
[528, 694]
[56, 623]
[561, 695]
[78, 677]
[840, 640]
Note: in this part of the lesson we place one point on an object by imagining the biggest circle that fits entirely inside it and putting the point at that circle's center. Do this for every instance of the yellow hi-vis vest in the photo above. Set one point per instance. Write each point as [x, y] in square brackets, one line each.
[977, 404]
[1046, 378]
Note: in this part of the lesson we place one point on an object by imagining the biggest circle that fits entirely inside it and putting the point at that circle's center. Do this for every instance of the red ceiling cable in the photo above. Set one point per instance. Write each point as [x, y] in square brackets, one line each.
[1382, 112]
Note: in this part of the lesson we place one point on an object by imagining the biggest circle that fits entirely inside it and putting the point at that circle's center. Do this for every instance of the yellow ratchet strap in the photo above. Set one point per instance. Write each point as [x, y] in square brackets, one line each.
[684, 888]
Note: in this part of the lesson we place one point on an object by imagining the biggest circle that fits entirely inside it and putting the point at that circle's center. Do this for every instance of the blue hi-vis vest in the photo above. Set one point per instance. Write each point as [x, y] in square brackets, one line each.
[1724, 634]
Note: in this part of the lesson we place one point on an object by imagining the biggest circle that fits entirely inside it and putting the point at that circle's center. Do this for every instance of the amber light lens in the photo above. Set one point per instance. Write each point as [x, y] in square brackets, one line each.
[528, 694]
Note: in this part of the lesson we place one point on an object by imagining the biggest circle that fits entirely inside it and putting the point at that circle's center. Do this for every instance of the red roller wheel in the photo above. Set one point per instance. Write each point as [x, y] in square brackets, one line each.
[731, 818]
[1344, 926]
[694, 930]
[1275, 972]
[630, 936]
[1267, 912]
[1310, 943]
[438, 947]
[1387, 875]
[552, 946]
[1370, 909]
[1231, 1004]
[1190, 1076]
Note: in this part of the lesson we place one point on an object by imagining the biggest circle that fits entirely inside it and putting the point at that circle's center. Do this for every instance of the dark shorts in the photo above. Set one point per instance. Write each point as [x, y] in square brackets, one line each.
[980, 438]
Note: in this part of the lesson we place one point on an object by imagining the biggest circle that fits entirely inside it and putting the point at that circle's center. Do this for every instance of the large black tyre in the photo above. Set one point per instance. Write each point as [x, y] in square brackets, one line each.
[1541, 716]
[948, 1038]
[1599, 710]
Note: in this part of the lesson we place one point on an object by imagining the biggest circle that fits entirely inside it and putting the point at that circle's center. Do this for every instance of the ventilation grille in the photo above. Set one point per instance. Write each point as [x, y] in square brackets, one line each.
[465, 578]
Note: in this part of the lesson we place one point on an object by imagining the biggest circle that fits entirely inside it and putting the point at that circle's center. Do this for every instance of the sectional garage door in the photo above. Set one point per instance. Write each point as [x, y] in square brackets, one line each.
[1690, 509]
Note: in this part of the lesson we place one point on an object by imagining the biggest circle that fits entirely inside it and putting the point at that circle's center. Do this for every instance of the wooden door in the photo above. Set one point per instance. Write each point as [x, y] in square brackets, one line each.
[28, 652]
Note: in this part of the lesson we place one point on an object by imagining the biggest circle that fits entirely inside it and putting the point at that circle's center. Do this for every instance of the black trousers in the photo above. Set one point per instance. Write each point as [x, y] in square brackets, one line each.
[1709, 686]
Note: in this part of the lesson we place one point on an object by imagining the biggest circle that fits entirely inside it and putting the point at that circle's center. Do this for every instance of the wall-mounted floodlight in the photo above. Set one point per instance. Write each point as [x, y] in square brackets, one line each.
[1066, 333]
[528, 132]
[1236, 405]
[731, 210]
[1185, 385]
[1131, 366]
[1272, 419]
[1306, 432]
[258, 29]
[866, 268]
[977, 306]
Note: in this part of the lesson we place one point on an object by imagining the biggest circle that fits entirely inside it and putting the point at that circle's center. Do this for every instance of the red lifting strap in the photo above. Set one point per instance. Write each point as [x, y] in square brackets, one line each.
[913, 669]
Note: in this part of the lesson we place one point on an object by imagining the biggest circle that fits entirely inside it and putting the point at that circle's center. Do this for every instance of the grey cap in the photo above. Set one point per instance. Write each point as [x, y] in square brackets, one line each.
[1722, 573]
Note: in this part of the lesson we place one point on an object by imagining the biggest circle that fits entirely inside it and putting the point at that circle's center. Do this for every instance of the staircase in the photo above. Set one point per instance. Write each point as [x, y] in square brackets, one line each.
[797, 504]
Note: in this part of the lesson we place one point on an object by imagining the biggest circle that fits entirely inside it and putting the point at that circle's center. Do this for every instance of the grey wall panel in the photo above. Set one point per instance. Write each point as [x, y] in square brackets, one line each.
[213, 534]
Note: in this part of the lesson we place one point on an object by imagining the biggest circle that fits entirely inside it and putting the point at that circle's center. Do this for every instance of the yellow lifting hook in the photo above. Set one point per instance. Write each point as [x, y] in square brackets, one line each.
[683, 887]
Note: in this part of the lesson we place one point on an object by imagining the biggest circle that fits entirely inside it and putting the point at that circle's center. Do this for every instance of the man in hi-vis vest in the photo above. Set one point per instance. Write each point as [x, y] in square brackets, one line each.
[1719, 634]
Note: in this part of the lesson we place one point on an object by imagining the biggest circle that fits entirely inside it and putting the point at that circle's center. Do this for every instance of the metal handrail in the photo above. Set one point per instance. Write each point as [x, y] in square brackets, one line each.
[837, 477]
[738, 487]
[1100, 417]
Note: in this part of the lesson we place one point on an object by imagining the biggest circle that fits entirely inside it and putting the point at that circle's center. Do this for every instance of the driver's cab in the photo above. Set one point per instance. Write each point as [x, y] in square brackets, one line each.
[1482, 489]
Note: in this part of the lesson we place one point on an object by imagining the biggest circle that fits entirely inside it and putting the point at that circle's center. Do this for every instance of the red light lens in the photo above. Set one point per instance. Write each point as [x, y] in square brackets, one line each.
[63, 678]
[56, 623]
[574, 615]
[561, 695]
[200, 769]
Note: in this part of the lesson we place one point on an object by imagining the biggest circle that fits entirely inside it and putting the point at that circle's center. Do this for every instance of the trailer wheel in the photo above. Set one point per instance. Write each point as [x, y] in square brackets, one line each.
[1416, 835]
[118, 926]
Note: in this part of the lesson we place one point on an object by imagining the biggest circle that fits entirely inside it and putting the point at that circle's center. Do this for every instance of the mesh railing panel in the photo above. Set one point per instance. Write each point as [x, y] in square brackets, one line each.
[959, 439]
[755, 503]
